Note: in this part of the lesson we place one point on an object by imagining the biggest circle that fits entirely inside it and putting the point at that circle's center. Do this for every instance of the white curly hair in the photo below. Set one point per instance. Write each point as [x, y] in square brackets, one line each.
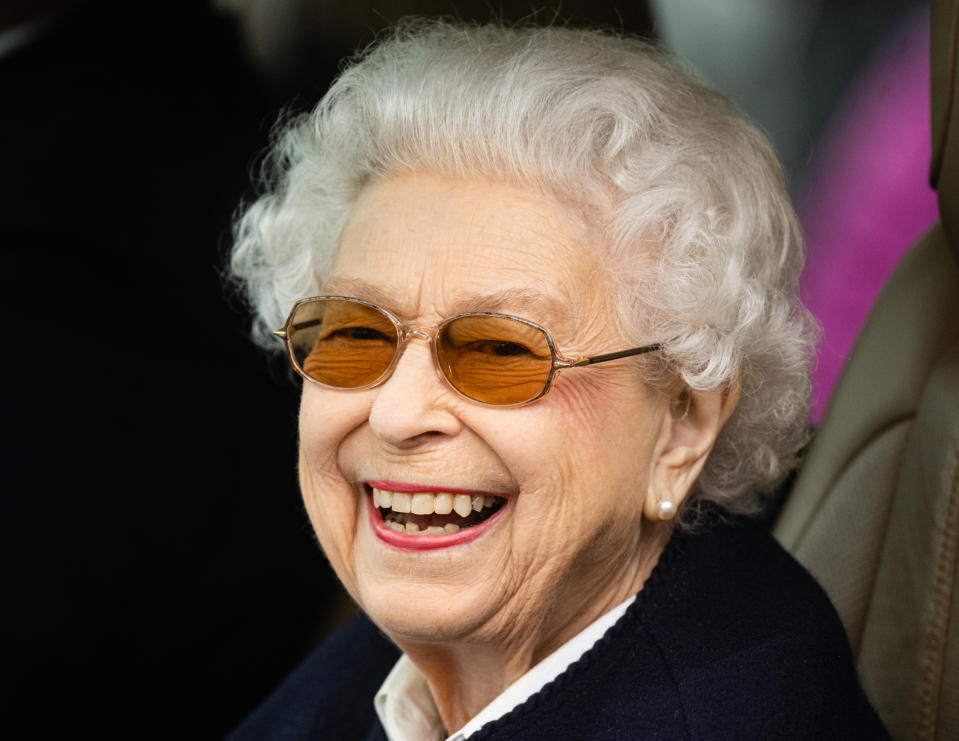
[617, 129]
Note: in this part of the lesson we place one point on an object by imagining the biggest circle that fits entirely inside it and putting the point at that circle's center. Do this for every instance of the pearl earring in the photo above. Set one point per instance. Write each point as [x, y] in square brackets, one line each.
[667, 509]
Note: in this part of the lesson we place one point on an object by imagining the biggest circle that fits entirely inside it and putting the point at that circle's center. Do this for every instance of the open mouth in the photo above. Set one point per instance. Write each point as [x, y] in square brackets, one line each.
[433, 513]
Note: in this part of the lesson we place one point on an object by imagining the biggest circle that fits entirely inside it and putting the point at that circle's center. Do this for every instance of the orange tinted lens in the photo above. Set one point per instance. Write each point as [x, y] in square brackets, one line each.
[342, 343]
[495, 360]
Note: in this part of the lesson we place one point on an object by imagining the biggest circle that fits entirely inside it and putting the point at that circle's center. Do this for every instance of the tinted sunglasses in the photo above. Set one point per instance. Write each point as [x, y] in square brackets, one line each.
[496, 359]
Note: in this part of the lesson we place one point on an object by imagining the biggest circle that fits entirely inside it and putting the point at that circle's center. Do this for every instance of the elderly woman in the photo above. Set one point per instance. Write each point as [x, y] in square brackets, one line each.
[541, 286]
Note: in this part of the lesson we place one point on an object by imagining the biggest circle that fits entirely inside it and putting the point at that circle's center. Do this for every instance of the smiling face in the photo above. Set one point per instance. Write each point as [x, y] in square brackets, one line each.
[572, 470]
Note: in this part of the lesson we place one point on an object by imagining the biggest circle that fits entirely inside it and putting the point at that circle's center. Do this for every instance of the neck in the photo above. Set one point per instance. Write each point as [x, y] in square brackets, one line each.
[466, 675]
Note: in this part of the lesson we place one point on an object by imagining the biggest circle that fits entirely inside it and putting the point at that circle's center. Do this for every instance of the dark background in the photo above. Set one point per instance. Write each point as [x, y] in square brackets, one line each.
[159, 572]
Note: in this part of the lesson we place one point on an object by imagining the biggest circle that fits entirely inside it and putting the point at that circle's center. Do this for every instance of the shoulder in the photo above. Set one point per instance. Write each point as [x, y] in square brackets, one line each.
[752, 641]
[330, 695]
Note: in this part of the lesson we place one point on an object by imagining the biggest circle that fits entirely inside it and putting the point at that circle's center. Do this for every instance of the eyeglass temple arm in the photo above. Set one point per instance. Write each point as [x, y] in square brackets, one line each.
[583, 360]
[282, 333]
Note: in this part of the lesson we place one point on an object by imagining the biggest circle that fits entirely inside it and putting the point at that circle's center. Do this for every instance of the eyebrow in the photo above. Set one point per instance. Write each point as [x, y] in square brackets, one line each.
[358, 288]
[526, 303]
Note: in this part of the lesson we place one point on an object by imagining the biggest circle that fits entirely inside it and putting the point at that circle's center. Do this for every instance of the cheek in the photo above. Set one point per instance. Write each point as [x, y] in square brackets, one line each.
[587, 455]
[591, 399]
[610, 419]
[326, 419]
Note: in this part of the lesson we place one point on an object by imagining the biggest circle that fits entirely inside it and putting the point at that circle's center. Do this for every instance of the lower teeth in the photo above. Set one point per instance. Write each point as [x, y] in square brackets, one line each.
[411, 528]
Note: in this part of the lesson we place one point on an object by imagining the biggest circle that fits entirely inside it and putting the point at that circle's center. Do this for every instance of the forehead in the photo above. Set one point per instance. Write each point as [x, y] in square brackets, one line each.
[422, 244]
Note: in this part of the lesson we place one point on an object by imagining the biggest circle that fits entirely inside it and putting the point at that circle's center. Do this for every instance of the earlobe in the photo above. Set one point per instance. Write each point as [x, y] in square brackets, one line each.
[689, 432]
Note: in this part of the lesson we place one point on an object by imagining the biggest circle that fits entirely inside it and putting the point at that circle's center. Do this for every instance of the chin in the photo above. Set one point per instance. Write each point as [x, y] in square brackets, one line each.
[423, 613]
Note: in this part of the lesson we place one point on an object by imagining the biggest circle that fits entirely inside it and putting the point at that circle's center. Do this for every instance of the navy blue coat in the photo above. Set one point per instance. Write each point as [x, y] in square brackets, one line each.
[730, 638]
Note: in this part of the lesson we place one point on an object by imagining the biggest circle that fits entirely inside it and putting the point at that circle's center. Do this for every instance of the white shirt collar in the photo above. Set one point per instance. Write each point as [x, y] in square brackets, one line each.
[407, 711]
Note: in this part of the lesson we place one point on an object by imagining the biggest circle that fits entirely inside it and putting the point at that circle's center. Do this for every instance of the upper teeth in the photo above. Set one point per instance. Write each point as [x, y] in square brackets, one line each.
[426, 503]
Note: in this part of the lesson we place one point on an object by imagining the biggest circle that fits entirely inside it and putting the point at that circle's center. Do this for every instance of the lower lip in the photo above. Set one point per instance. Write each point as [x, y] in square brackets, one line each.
[406, 542]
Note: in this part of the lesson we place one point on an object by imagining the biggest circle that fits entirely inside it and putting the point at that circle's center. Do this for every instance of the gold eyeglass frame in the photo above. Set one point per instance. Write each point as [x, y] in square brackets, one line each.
[405, 332]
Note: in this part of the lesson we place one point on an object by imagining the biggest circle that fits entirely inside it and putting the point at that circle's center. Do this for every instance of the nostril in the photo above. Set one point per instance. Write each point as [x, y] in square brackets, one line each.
[425, 437]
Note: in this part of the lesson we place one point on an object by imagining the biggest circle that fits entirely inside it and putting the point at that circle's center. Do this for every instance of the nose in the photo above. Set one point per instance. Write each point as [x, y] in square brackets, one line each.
[413, 406]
